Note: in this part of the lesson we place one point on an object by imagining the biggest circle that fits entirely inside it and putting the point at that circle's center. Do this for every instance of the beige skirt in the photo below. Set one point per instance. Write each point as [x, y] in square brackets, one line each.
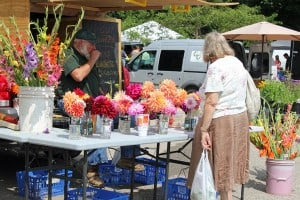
[229, 156]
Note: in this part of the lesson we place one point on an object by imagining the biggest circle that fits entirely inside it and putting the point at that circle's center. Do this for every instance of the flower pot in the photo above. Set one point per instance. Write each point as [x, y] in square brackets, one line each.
[279, 176]
[36, 108]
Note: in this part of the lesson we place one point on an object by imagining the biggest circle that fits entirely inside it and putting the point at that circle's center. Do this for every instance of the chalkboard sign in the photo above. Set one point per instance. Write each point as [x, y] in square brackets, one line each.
[108, 43]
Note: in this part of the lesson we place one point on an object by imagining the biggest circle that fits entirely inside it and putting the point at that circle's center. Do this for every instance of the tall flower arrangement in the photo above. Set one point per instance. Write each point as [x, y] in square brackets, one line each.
[277, 141]
[30, 60]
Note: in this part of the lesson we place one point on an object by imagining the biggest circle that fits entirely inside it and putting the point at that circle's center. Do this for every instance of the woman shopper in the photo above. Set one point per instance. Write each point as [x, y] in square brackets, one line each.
[223, 126]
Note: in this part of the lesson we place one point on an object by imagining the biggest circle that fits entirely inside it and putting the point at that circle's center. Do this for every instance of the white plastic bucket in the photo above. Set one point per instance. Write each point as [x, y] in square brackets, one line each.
[36, 108]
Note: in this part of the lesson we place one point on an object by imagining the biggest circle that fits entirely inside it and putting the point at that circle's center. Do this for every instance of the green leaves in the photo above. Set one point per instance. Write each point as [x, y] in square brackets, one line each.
[278, 94]
[190, 24]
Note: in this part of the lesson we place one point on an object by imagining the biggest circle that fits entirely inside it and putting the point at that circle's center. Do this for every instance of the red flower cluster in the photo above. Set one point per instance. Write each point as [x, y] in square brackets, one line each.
[86, 98]
[134, 90]
[4, 88]
[79, 92]
[104, 106]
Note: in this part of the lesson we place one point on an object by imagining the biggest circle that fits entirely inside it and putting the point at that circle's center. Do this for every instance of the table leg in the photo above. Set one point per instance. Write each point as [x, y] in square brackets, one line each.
[66, 152]
[242, 192]
[26, 171]
[132, 172]
[84, 175]
[156, 171]
[165, 195]
[50, 159]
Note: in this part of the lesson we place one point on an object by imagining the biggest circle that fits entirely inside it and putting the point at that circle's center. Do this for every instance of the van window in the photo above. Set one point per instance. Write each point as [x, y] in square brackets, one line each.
[144, 61]
[171, 60]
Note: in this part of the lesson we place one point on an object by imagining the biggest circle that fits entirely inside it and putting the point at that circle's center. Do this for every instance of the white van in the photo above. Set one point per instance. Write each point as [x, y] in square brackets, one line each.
[178, 60]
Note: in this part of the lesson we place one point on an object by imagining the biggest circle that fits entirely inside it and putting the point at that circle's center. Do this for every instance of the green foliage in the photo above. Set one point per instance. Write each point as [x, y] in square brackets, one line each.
[287, 11]
[199, 18]
[279, 94]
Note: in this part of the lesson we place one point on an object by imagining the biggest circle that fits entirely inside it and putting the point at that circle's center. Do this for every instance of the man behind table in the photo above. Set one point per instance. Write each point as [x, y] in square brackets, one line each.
[80, 72]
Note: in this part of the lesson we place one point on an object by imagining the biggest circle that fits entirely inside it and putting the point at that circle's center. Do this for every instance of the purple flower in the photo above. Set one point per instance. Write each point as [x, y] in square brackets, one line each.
[31, 59]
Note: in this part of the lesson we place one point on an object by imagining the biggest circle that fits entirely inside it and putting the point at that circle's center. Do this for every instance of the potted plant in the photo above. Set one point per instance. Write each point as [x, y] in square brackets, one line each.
[277, 143]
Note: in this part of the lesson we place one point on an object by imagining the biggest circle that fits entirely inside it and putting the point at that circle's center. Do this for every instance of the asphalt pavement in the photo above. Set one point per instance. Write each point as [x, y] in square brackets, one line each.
[254, 189]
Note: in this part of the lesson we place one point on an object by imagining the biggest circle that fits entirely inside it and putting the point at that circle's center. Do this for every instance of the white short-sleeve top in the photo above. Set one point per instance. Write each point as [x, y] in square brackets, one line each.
[228, 77]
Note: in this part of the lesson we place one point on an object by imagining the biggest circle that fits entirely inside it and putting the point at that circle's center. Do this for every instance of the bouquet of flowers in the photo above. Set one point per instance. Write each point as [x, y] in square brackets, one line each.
[277, 141]
[86, 98]
[104, 106]
[191, 102]
[122, 102]
[134, 91]
[34, 60]
[73, 104]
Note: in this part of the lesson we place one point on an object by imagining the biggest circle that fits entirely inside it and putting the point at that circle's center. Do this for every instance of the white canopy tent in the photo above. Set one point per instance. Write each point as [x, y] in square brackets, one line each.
[149, 31]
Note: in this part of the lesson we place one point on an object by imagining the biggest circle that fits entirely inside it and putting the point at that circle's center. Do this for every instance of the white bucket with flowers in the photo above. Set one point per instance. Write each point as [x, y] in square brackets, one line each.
[34, 62]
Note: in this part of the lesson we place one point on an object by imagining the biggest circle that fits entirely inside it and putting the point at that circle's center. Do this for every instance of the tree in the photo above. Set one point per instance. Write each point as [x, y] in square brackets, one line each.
[288, 11]
[199, 21]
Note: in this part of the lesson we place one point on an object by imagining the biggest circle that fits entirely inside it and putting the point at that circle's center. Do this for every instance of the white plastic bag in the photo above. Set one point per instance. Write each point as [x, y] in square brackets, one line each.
[203, 187]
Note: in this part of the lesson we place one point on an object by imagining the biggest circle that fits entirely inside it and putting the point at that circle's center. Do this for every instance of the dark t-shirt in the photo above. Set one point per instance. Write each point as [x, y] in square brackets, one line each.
[90, 84]
[288, 64]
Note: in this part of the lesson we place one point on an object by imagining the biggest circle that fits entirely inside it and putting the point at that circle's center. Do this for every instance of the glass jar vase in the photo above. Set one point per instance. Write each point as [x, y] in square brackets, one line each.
[103, 127]
[163, 124]
[74, 128]
[86, 128]
[124, 124]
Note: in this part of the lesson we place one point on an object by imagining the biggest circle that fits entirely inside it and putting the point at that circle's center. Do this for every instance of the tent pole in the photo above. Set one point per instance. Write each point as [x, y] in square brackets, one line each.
[262, 57]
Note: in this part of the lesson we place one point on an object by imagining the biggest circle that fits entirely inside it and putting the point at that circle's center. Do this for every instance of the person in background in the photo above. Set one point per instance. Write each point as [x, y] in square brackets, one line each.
[80, 72]
[277, 63]
[124, 56]
[223, 128]
[136, 50]
[288, 62]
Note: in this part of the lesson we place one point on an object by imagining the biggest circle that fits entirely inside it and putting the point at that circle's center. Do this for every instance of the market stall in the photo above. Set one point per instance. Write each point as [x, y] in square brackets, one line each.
[22, 53]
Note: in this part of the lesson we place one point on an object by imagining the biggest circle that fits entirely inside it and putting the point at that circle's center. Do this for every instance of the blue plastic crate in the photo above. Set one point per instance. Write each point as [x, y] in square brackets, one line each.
[112, 175]
[147, 176]
[96, 194]
[38, 183]
[177, 189]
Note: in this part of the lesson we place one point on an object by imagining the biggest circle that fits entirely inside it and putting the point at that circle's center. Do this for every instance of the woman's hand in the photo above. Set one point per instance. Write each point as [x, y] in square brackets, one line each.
[206, 142]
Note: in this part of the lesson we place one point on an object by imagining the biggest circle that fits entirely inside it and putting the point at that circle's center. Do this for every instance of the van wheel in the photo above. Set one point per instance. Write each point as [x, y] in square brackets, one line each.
[191, 89]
